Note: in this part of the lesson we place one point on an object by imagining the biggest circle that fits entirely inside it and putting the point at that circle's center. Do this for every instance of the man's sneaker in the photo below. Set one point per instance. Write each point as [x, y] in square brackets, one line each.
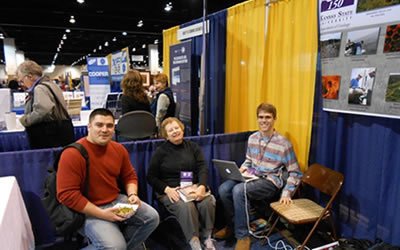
[243, 244]
[224, 233]
[209, 244]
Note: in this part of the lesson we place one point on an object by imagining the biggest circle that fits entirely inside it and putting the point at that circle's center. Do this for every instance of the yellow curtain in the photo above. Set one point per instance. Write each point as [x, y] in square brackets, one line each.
[170, 36]
[244, 64]
[290, 66]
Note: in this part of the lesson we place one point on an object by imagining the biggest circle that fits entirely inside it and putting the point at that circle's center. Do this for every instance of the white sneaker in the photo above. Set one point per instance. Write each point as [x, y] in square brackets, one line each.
[209, 244]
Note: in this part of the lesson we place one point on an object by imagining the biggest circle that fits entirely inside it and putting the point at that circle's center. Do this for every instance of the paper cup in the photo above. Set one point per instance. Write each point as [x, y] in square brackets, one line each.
[11, 120]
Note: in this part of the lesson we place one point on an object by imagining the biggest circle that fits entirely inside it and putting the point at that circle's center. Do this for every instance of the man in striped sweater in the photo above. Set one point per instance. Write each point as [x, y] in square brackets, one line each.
[269, 155]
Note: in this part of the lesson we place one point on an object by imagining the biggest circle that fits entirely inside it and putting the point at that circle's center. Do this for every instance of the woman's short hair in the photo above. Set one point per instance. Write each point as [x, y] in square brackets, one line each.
[29, 67]
[168, 121]
[161, 77]
[132, 86]
[267, 108]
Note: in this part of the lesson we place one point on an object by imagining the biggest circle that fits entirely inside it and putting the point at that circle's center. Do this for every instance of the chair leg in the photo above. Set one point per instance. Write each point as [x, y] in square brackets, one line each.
[271, 229]
[332, 224]
[310, 233]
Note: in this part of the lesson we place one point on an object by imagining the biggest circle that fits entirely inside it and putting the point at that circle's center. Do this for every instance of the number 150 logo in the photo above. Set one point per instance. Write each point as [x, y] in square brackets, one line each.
[335, 4]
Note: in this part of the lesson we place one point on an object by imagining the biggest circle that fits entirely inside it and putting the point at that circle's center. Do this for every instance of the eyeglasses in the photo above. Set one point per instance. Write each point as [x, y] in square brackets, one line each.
[21, 81]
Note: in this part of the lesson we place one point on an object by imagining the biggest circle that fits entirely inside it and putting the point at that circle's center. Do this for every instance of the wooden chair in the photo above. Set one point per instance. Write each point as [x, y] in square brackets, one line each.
[303, 211]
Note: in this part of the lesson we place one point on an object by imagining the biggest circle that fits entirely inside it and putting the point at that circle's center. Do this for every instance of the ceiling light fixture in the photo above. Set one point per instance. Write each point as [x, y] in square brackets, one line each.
[114, 39]
[140, 23]
[124, 33]
[64, 37]
[80, 1]
[168, 7]
[67, 30]
[144, 46]
[72, 19]
[62, 42]
[94, 51]
[106, 44]
[100, 47]
[156, 41]
[1, 36]
[133, 49]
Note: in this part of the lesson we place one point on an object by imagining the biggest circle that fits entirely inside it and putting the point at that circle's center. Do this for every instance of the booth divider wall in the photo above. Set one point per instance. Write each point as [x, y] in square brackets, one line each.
[29, 168]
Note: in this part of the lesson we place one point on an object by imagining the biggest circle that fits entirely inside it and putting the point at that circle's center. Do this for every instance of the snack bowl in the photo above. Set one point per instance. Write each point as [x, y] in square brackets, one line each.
[126, 210]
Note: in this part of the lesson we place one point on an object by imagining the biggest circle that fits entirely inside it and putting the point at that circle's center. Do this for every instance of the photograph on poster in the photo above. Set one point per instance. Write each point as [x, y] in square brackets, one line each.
[362, 42]
[330, 86]
[361, 83]
[393, 89]
[366, 5]
[330, 44]
[392, 39]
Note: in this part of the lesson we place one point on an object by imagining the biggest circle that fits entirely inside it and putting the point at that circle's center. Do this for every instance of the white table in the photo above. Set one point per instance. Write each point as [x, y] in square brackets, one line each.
[15, 226]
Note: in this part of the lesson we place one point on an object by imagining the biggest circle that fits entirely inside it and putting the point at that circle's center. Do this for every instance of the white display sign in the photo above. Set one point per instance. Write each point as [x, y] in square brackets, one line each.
[193, 30]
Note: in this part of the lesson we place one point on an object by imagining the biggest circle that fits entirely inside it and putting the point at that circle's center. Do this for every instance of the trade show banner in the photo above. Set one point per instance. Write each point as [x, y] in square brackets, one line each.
[180, 74]
[99, 80]
[119, 66]
[360, 54]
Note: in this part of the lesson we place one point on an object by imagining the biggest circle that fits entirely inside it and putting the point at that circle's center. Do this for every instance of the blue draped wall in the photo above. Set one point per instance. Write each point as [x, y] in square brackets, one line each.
[367, 151]
[29, 168]
[214, 102]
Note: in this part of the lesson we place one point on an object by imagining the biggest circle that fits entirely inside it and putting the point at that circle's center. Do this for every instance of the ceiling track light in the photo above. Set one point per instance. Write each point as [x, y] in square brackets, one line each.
[81, 1]
[106, 44]
[72, 19]
[67, 30]
[124, 33]
[168, 7]
[140, 23]
[114, 39]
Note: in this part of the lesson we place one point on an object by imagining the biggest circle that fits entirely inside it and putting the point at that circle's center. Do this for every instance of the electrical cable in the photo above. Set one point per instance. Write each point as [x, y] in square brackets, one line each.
[285, 247]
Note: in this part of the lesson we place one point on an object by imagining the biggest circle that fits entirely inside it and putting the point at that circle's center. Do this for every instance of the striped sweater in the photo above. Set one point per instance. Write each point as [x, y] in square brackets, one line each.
[268, 156]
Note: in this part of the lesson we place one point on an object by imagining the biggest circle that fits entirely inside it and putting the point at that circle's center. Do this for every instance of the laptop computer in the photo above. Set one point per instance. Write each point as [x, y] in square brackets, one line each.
[229, 170]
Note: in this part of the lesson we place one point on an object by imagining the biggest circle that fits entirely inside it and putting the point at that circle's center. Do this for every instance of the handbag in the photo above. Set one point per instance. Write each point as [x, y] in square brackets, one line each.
[55, 133]
[64, 219]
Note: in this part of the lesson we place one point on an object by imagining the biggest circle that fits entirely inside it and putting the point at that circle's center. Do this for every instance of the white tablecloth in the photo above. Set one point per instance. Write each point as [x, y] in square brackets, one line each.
[15, 226]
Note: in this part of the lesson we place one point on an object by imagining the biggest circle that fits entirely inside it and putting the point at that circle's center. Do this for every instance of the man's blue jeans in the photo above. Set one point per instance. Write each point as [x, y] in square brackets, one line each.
[232, 195]
[121, 235]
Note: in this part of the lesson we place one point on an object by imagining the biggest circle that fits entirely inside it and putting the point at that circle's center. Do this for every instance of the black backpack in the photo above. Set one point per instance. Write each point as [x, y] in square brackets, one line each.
[64, 219]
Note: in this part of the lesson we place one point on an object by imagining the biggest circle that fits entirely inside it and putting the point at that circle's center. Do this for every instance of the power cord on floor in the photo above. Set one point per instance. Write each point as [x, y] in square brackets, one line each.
[276, 247]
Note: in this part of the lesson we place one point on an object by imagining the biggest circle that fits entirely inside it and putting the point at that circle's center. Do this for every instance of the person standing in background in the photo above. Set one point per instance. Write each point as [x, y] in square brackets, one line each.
[134, 95]
[46, 119]
[163, 105]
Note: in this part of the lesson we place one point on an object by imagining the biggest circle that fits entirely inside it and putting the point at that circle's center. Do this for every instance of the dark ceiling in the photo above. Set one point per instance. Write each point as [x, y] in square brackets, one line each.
[39, 25]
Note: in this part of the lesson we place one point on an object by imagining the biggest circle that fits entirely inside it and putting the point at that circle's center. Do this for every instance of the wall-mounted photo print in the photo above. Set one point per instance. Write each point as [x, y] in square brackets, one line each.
[392, 39]
[362, 42]
[393, 89]
[330, 45]
[366, 5]
[361, 84]
[330, 86]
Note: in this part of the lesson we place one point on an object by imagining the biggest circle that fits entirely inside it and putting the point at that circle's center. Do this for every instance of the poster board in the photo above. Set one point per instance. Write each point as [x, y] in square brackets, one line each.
[360, 54]
[99, 80]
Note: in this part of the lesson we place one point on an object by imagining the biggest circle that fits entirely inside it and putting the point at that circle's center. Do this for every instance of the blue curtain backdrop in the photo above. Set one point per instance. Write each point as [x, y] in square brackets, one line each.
[214, 102]
[366, 150]
[29, 168]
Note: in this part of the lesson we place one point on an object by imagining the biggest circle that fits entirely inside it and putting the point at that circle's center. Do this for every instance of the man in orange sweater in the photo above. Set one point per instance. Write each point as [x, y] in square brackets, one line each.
[108, 161]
